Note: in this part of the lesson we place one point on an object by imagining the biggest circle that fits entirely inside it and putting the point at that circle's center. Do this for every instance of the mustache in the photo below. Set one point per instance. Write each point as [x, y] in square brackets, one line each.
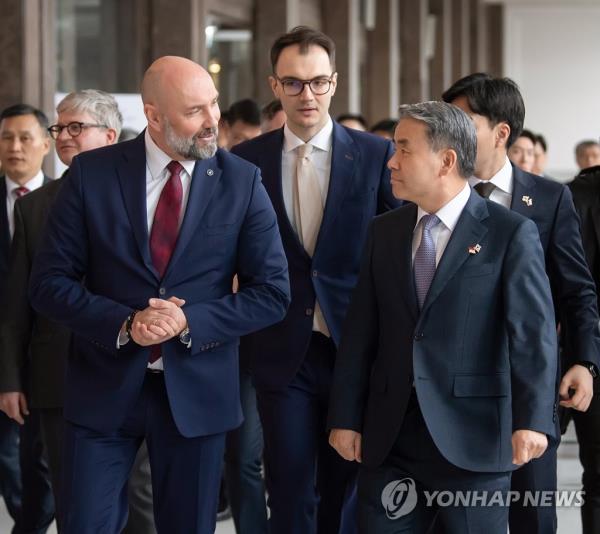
[206, 132]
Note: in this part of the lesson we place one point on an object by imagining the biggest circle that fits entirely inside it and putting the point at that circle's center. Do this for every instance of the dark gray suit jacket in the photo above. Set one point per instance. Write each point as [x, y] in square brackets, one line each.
[33, 350]
[482, 352]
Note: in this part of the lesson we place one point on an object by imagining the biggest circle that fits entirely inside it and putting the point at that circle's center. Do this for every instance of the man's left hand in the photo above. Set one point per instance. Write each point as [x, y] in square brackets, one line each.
[579, 379]
[527, 445]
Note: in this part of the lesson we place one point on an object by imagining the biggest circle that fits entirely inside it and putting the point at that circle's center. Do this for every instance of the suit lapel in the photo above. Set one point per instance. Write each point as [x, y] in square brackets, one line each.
[205, 177]
[344, 162]
[4, 230]
[401, 251]
[132, 178]
[468, 231]
[523, 195]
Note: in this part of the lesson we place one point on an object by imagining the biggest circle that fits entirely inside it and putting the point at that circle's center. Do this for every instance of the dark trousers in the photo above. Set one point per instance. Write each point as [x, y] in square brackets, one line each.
[243, 465]
[392, 498]
[186, 472]
[10, 472]
[587, 427]
[309, 485]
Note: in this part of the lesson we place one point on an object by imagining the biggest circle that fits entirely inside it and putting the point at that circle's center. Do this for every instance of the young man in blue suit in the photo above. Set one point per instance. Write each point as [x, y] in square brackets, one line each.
[445, 376]
[142, 244]
[326, 183]
[497, 110]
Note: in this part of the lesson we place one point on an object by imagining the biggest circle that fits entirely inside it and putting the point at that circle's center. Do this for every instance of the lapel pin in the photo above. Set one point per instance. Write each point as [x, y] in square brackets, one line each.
[527, 200]
[474, 249]
[210, 172]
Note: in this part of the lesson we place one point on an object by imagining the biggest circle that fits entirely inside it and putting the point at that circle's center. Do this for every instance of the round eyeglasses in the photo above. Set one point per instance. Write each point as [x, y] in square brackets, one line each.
[293, 87]
[74, 128]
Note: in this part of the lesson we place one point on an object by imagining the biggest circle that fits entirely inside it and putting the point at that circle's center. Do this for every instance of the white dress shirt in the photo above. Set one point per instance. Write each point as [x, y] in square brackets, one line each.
[503, 180]
[157, 175]
[441, 232]
[35, 183]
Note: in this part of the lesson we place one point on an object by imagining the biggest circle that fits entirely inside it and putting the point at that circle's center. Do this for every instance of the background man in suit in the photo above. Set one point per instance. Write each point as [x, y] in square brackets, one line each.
[138, 259]
[33, 350]
[497, 110]
[446, 369]
[586, 196]
[23, 471]
[326, 182]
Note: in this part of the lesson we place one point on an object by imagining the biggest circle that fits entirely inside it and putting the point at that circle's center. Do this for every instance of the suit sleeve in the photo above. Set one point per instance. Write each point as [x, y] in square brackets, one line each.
[264, 293]
[386, 201]
[531, 332]
[57, 286]
[357, 350]
[17, 320]
[573, 283]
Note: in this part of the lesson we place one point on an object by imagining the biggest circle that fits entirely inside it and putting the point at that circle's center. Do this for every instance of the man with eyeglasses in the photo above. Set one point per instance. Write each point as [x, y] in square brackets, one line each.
[326, 183]
[86, 120]
[24, 480]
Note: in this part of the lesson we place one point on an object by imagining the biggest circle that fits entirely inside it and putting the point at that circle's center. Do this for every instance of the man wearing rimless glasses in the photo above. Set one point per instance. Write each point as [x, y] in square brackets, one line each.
[326, 183]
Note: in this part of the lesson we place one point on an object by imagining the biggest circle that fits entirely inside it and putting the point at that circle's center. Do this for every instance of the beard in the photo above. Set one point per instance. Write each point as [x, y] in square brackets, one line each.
[186, 147]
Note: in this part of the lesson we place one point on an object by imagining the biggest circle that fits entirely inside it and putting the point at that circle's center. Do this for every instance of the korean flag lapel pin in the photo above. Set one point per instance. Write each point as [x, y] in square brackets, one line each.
[527, 200]
[474, 249]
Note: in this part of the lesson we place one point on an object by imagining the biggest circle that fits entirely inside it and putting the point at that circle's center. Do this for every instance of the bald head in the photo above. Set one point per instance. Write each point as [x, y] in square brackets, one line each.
[180, 103]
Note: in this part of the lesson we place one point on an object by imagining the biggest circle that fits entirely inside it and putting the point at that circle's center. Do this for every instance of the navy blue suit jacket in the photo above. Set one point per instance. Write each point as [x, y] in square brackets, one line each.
[482, 352]
[94, 268]
[359, 188]
[550, 206]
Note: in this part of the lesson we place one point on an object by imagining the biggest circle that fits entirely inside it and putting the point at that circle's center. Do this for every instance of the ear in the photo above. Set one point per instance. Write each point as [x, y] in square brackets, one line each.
[334, 78]
[274, 87]
[111, 136]
[502, 134]
[152, 116]
[46, 144]
[448, 161]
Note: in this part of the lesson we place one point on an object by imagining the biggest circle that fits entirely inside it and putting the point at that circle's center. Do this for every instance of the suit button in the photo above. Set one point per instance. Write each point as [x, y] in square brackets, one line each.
[419, 336]
[162, 291]
[315, 273]
[308, 311]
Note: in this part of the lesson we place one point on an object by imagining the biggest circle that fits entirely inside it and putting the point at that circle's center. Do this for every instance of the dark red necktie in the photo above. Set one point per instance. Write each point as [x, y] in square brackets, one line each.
[20, 191]
[165, 228]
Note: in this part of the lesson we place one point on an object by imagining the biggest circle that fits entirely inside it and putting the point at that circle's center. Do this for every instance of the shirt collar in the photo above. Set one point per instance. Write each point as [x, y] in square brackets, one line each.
[33, 184]
[157, 160]
[502, 179]
[322, 140]
[450, 212]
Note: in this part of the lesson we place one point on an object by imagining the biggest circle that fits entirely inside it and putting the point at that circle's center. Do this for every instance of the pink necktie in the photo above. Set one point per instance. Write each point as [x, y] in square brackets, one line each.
[20, 191]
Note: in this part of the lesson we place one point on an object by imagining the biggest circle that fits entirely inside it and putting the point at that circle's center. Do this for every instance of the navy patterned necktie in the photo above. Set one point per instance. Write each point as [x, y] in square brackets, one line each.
[424, 266]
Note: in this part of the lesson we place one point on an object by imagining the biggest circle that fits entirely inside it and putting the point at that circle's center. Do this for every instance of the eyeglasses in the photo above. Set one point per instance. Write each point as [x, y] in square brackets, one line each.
[74, 128]
[293, 87]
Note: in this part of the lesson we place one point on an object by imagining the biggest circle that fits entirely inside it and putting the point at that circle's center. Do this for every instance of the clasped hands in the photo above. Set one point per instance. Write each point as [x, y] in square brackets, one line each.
[159, 322]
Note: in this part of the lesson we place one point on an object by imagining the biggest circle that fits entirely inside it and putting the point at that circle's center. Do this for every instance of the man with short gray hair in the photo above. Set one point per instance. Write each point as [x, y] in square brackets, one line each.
[444, 381]
[86, 120]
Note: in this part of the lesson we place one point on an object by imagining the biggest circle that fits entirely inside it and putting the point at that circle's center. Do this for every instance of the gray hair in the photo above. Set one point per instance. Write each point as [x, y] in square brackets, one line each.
[447, 127]
[100, 105]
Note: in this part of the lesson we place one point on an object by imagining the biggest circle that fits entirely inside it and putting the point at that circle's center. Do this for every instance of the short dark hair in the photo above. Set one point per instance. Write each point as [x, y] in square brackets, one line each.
[25, 109]
[271, 109]
[584, 145]
[497, 99]
[539, 138]
[353, 117]
[529, 134]
[385, 125]
[304, 37]
[245, 110]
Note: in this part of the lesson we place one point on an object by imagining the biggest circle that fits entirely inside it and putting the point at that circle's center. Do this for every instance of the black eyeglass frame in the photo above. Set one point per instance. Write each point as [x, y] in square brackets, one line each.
[56, 129]
[304, 83]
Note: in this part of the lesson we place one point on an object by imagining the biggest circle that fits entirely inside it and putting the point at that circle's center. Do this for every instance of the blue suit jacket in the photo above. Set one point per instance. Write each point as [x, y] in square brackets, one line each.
[482, 352]
[359, 188]
[94, 267]
[551, 208]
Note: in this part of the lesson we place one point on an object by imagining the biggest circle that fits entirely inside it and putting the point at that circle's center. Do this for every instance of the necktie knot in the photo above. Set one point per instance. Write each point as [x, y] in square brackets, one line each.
[174, 168]
[429, 221]
[20, 191]
[304, 151]
[485, 188]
